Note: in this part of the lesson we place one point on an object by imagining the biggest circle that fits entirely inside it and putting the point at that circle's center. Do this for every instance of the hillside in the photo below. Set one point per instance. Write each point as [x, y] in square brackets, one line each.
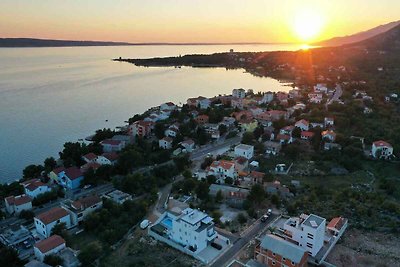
[338, 41]
[30, 42]
[387, 41]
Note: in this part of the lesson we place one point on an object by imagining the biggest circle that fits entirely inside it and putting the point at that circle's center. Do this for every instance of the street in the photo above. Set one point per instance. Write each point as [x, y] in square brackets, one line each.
[257, 228]
[223, 144]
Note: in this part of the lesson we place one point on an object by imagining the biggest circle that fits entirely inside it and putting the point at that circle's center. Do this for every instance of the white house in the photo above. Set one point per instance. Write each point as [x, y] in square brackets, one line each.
[81, 208]
[165, 143]
[18, 203]
[169, 106]
[329, 121]
[44, 222]
[48, 246]
[35, 187]
[107, 158]
[288, 130]
[321, 88]
[381, 149]
[272, 148]
[244, 150]
[89, 157]
[222, 169]
[118, 196]
[267, 97]
[304, 125]
[110, 145]
[308, 231]
[188, 145]
[171, 132]
[239, 93]
[329, 135]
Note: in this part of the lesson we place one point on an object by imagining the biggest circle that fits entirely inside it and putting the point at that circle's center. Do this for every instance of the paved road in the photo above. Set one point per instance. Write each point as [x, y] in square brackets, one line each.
[338, 93]
[201, 152]
[257, 228]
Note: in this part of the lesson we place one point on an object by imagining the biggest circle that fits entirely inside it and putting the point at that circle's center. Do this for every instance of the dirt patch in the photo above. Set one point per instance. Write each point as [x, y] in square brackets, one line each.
[357, 248]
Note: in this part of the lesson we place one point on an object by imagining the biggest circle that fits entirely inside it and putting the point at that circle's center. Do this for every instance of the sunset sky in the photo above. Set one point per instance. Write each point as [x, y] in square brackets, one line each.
[193, 20]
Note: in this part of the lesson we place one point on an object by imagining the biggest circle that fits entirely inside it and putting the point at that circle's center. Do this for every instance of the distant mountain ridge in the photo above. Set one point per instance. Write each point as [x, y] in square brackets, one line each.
[387, 41]
[32, 42]
[354, 38]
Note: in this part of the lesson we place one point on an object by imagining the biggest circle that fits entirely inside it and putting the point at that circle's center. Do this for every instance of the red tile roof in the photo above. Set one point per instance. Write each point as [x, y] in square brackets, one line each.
[336, 223]
[33, 184]
[167, 139]
[73, 173]
[110, 156]
[86, 202]
[52, 215]
[307, 134]
[111, 142]
[283, 137]
[382, 143]
[50, 243]
[90, 156]
[18, 200]
[223, 164]
[58, 170]
[303, 121]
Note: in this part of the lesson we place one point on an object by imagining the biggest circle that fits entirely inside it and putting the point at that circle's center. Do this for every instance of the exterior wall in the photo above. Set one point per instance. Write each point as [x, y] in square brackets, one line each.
[381, 151]
[45, 230]
[113, 148]
[38, 191]
[74, 184]
[165, 145]
[103, 161]
[269, 258]
[40, 256]
[247, 153]
[26, 206]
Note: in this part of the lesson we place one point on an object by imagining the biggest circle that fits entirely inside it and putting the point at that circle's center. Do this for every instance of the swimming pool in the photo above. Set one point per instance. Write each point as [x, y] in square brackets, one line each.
[167, 222]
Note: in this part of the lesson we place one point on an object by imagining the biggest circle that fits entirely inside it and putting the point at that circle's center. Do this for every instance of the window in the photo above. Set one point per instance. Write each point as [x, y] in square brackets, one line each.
[273, 262]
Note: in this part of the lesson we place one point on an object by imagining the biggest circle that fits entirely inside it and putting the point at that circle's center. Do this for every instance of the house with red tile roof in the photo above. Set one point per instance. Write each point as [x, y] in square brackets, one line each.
[381, 149]
[35, 187]
[56, 174]
[81, 208]
[45, 221]
[188, 145]
[165, 143]
[329, 135]
[169, 106]
[305, 135]
[71, 178]
[202, 119]
[222, 169]
[90, 157]
[337, 226]
[111, 145]
[303, 124]
[90, 165]
[141, 128]
[284, 139]
[107, 158]
[276, 115]
[16, 204]
[48, 246]
[287, 130]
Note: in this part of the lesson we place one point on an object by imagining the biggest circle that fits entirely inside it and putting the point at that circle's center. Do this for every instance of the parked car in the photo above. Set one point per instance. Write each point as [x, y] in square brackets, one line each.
[144, 224]
[264, 218]
[269, 212]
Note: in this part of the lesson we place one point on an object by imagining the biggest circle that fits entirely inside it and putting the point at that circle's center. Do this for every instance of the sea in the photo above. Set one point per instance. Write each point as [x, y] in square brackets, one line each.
[49, 96]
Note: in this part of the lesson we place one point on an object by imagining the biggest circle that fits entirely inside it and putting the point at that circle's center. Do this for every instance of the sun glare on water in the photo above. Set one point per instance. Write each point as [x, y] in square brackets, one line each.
[307, 25]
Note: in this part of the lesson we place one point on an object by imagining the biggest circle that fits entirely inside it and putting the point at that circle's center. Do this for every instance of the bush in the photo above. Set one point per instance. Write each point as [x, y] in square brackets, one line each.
[53, 260]
[242, 218]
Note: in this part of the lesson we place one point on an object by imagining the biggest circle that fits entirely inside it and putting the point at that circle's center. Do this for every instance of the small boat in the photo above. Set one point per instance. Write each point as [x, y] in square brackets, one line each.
[106, 120]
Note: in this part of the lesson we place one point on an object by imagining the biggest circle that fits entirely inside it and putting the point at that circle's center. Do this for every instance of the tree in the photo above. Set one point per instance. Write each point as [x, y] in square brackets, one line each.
[159, 129]
[222, 129]
[90, 253]
[202, 190]
[248, 138]
[9, 257]
[241, 218]
[102, 134]
[257, 194]
[182, 162]
[219, 197]
[32, 171]
[61, 230]
[296, 132]
[27, 215]
[89, 177]
[53, 260]
[228, 180]
[49, 164]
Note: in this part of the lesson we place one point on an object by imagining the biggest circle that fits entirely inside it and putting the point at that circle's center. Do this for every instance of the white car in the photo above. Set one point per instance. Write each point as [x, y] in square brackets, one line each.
[144, 224]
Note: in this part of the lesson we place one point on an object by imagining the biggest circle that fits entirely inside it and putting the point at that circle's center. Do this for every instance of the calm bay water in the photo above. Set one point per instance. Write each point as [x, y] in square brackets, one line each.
[52, 95]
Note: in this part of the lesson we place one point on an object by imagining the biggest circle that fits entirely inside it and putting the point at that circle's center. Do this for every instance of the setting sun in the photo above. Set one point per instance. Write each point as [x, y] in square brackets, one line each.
[307, 25]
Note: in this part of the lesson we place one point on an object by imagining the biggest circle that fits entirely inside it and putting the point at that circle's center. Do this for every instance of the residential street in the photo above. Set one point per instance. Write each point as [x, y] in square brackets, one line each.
[213, 148]
[257, 228]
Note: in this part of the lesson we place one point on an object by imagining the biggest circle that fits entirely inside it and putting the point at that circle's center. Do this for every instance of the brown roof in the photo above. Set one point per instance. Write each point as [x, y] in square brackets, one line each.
[73, 173]
[223, 164]
[18, 200]
[111, 142]
[86, 202]
[50, 243]
[382, 143]
[33, 184]
[90, 156]
[256, 174]
[58, 170]
[110, 156]
[52, 215]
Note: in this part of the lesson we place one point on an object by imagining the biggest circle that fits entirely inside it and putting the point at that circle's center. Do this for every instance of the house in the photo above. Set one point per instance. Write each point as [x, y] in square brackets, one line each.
[316, 125]
[234, 196]
[215, 134]
[222, 169]
[36, 263]
[56, 174]
[267, 97]
[16, 204]
[199, 102]
[141, 128]
[45, 221]
[171, 132]
[381, 149]
[107, 158]
[229, 122]
[241, 163]
[14, 235]
[35, 187]
[330, 146]
[244, 150]
[71, 178]
[294, 93]
[91, 165]
[256, 111]
[190, 231]
[256, 177]
[329, 121]
[329, 135]
[284, 139]
[282, 97]
[237, 103]
[308, 231]
[118, 196]
[243, 116]
[239, 93]
[165, 143]
[287, 130]
[48, 246]
[127, 139]
[276, 251]
[110, 145]
[202, 119]
[90, 157]
[337, 226]
[305, 135]
[276, 115]
[320, 88]
[169, 106]
[275, 187]
[304, 125]
[272, 148]
[249, 125]
[81, 208]
[188, 145]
